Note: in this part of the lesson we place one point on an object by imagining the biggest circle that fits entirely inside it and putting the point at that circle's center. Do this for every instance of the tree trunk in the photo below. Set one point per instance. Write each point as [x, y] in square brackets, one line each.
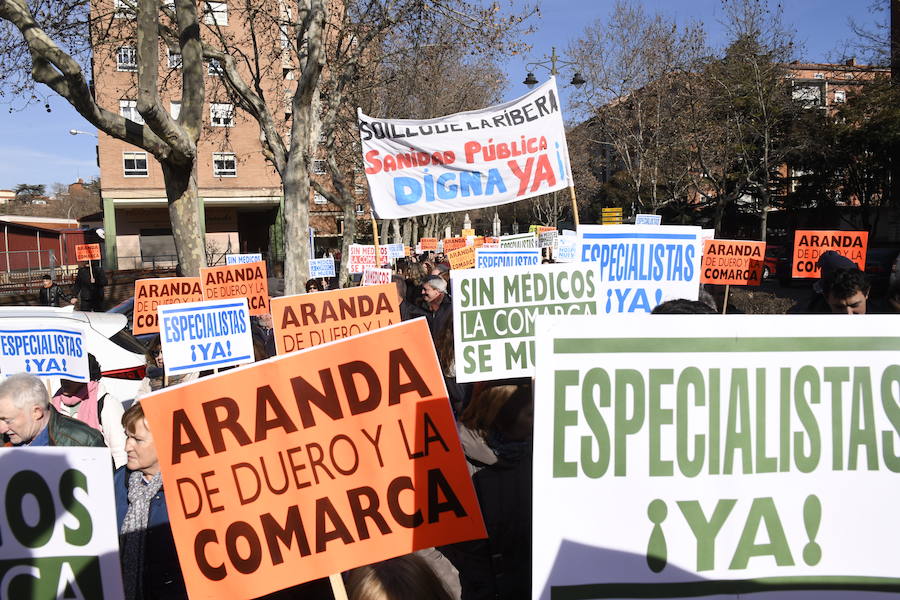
[296, 226]
[396, 236]
[184, 213]
[407, 233]
[348, 238]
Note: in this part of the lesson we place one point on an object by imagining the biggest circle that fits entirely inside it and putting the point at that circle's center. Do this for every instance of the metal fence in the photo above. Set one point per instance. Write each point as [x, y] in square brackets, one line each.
[21, 271]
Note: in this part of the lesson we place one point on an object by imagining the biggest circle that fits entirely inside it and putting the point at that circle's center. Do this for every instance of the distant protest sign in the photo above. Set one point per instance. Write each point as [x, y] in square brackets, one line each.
[395, 250]
[732, 262]
[700, 455]
[810, 245]
[87, 252]
[468, 232]
[321, 267]
[60, 538]
[468, 160]
[643, 265]
[242, 259]
[428, 244]
[494, 312]
[548, 239]
[205, 335]
[648, 219]
[567, 248]
[519, 240]
[328, 459]
[52, 351]
[491, 258]
[462, 258]
[238, 281]
[152, 293]
[451, 244]
[373, 276]
[309, 320]
[362, 256]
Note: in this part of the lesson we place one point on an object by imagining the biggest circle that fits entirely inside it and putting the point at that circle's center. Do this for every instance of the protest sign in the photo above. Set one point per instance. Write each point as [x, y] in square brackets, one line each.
[701, 454]
[152, 293]
[810, 245]
[428, 244]
[451, 244]
[308, 320]
[362, 256]
[242, 259]
[468, 232]
[335, 457]
[373, 276]
[59, 534]
[238, 281]
[732, 262]
[648, 220]
[468, 160]
[548, 239]
[519, 240]
[490, 258]
[494, 312]
[87, 252]
[205, 335]
[321, 267]
[643, 265]
[56, 351]
[395, 250]
[462, 258]
[567, 248]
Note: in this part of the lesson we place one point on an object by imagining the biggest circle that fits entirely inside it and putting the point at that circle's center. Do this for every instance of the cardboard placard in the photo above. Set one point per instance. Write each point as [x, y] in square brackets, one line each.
[548, 239]
[468, 232]
[519, 240]
[60, 538]
[492, 258]
[307, 320]
[362, 256]
[567, 248]
[810, 245]
[321, 267]
[242, 259]
[462, 258]
[697, 454]
[395, 250]
[641, 219]
[238, 281]
[451, 244]
[87, 252]
[428, 244]
[205, 335]
[373, 276]
[732, 262]
[152, 293]
[328, 459]
[55, 351]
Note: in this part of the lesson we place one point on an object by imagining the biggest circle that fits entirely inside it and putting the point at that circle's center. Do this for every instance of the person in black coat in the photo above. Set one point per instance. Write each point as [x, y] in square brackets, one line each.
[89, 288]
[50, 294]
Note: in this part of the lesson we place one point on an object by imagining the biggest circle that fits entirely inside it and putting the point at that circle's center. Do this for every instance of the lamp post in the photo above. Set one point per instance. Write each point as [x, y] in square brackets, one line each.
[79, 132]
[549, 63]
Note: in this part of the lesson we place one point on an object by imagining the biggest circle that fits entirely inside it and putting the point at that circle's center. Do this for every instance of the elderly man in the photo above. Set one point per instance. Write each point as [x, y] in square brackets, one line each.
[28, 419]
[437, 305]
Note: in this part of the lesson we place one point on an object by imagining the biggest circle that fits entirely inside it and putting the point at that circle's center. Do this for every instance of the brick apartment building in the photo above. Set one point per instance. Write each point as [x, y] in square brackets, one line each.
[239, 191]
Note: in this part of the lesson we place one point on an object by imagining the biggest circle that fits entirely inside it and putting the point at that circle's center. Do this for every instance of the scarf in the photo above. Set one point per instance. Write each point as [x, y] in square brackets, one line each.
[85, 400]
[134, 528]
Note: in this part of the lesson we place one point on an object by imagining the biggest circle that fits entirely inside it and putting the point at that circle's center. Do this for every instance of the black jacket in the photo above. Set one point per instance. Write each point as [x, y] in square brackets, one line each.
[65, 431]
[52, 295]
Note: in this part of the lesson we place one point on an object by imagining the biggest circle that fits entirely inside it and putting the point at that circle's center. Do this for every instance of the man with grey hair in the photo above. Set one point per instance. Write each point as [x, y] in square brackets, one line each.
[437, 304]
[28, 419]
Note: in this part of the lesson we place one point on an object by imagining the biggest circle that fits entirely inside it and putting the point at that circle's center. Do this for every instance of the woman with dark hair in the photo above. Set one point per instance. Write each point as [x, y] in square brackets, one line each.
[406, 577]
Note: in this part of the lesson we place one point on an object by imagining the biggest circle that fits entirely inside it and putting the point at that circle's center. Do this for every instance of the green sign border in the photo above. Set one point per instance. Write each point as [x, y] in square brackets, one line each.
[723, 344]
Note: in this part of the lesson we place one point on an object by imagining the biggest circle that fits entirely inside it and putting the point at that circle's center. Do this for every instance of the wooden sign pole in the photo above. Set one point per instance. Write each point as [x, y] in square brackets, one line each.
[574, 204]
[725, 301]
[337, 586]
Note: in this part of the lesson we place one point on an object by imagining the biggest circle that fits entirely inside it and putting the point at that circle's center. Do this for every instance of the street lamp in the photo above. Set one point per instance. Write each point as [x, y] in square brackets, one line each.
[77, 132]
[549, 63]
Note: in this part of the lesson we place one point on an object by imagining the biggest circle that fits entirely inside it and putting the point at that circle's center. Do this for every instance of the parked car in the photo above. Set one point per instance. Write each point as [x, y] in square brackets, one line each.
[770, 261]
[126, 308]
[122, 358]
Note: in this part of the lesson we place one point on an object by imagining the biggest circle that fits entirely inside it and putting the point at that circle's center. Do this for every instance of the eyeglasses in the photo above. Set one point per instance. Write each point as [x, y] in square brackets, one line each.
[155, 353]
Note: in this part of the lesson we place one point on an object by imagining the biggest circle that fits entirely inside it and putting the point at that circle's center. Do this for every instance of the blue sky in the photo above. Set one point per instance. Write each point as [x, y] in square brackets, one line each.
[36, 147]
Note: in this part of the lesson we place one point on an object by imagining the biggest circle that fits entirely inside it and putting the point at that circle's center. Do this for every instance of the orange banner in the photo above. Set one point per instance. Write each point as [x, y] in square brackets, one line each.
[238, 281]
[150, 293]
[312, 463]
[810, 245]
[468, 232]
[428, 244]
[462, 258]
[308, 320]
[87, 252]
[732, 262]
[454, 243]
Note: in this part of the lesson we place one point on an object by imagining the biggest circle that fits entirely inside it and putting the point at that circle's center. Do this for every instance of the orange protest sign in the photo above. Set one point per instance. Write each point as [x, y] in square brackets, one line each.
[87, 252]
[150, 293]
[468, 232]
[238, 281]
[478, 242]
[454, 243]
[311, 464]
[810, 245]
[428, 244]
[732, 262]
[308, 320]
[462, 258]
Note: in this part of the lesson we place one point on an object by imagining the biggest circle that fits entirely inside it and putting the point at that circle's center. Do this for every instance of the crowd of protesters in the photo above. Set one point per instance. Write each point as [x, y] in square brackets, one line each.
[494, 422]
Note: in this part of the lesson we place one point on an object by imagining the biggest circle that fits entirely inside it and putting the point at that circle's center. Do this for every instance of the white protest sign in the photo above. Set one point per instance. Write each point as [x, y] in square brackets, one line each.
[395, 250]
[321, 267]
[494, 312]
[242, 259]
[59, 533]
[648, 220]
[205, 335]
[362, 256]
[373, 276]
[490, 258]
[468, 160]
[643, 265]
[548, 239]
[567, 248]
[694, 454]
[519, 240]
[56, 351]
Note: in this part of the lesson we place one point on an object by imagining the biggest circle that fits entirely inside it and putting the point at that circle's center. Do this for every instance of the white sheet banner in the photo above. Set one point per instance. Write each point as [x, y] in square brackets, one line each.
[468, 160]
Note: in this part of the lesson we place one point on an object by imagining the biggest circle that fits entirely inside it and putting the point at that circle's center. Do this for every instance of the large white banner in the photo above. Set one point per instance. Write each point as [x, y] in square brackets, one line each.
[58, 523]
[698, 455]
[468, 160]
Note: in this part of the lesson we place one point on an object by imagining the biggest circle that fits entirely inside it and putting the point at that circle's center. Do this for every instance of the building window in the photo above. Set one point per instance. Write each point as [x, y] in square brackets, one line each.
[128, 109]
[319, 198]
[224, 164]
[221, 115]
[819, 76]
[319, 167]
[214, 68]
[809, 95]
[840, 96]
[125, 9]
[135, 164]
[216, 13]
[126, 58]
[360, 209]
[175, 109]
[175, 61]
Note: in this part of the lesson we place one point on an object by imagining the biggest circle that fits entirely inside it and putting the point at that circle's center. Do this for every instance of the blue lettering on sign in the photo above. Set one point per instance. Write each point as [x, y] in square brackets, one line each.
[43, 352]
[199, 323]
[447, 186]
